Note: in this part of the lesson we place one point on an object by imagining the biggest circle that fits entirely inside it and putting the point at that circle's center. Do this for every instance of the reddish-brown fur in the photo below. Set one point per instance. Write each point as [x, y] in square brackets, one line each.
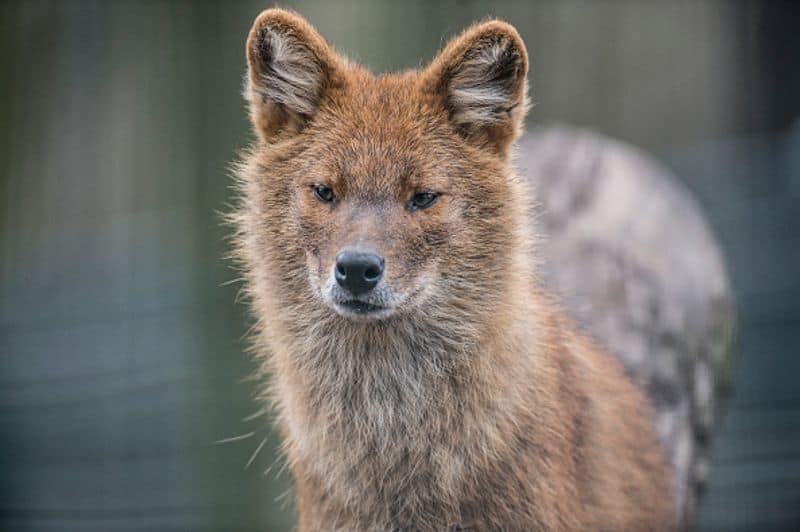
[474, 403]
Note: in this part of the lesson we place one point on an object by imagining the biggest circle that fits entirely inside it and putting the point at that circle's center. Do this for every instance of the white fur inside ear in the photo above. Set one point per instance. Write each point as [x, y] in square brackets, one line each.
[483, 85]
[290, 75]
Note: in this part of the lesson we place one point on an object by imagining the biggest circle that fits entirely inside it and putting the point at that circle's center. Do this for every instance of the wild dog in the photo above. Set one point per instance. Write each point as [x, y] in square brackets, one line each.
[422, 377]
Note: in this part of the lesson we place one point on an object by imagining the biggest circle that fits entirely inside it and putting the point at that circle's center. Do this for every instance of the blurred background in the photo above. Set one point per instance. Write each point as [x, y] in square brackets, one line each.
[121, 345]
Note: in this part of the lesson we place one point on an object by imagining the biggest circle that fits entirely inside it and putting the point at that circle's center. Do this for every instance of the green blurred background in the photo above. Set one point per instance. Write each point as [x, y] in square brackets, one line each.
[121, 346]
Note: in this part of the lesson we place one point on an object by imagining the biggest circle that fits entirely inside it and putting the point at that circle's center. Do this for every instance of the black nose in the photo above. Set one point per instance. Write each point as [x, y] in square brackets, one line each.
[358, 271]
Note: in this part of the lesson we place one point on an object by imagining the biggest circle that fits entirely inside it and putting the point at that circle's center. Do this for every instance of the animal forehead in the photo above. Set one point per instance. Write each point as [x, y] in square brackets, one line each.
[391, 108]
[388, 137]
[397, 95]
[376, 152]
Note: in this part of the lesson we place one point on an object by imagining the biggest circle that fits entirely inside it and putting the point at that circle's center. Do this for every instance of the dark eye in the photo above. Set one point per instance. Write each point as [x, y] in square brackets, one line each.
[423, 200]
[323, 193]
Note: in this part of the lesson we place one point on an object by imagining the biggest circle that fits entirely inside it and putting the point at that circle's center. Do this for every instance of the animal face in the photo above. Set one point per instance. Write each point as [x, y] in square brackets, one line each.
[382, 194]
[374, 208]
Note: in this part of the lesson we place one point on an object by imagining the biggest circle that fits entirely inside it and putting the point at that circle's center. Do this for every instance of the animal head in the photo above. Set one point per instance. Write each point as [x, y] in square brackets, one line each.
[368, 197]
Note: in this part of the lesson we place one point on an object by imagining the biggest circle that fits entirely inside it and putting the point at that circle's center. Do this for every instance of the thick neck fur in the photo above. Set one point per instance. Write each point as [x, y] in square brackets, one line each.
[370, 410]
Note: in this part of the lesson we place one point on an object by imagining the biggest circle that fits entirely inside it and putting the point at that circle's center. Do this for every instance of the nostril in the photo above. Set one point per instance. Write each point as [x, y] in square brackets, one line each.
[372, 273]
[340, 270]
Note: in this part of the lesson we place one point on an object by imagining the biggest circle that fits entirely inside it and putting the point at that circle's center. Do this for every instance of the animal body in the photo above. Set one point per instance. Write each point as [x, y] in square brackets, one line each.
[422, 377]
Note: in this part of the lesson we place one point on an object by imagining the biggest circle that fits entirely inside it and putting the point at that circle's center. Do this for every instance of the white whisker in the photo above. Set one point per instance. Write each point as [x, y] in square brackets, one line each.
[254, 415]
[235, 438]
[267, 470]
[255, 453]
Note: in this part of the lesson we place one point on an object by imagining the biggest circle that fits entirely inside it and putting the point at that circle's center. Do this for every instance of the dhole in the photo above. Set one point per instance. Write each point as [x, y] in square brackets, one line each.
[422, 377]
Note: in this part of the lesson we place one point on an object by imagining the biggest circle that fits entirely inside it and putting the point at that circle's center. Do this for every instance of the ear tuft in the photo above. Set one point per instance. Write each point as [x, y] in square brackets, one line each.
[289, 68]
[289, 75]
[481, 76]
[482, 87]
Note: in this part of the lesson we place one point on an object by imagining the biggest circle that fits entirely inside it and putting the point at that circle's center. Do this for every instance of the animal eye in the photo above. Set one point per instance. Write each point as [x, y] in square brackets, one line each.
[423, 200]
[323, 193]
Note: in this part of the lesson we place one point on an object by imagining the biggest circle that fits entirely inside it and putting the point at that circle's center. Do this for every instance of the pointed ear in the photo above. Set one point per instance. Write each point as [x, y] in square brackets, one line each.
[289, 68]
[480, 78]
